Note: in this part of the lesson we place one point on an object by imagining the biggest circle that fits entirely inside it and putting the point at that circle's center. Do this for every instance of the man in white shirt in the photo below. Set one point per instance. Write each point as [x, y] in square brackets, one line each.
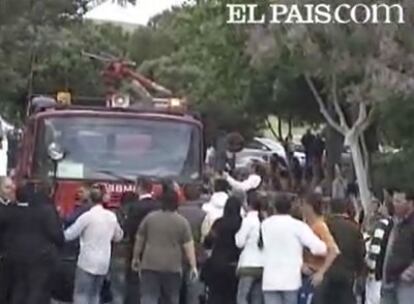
[253, 181]
[284, 239]
[97, 228]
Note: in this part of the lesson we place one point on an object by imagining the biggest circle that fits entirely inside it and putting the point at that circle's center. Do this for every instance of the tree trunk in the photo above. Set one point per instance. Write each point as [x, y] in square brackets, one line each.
[290, 126]
[334, 148]
[360, 170]
[280, 125]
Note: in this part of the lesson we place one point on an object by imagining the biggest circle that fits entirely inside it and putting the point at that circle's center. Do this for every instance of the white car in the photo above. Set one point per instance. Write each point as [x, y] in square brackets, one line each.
[262, 149]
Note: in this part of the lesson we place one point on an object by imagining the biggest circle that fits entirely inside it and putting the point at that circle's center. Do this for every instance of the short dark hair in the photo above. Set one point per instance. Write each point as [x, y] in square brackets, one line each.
[128, 197]
[97, 195]
[339, 206]
[259, 169]
[221, 185]
[254, 200]
[315, 200]
[169, 199]
[192, 191]
[283, 204]
[145, 184]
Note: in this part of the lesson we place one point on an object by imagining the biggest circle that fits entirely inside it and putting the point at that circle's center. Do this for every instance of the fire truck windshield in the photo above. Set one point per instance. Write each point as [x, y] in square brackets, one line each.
[122, 146]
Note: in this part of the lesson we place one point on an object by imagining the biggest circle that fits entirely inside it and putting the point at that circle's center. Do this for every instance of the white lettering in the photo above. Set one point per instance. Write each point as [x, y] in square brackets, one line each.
[252, 14]
[337, 13]
[354, 13]
[309, 14]
[387, 12]
[237, 13]
[323, 14]
[278, 10]
[295, 15]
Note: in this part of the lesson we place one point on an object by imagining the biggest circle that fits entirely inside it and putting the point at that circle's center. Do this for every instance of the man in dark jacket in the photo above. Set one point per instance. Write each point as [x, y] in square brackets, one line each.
[135, 214]
[398, 278]
[7, 197]
[340, 278]
[33, 236]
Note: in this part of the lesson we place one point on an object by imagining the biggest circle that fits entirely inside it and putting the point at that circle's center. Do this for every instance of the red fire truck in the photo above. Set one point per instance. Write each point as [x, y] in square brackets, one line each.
[112, 143]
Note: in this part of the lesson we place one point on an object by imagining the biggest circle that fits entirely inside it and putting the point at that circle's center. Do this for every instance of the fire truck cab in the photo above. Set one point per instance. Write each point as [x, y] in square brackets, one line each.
[111, 145]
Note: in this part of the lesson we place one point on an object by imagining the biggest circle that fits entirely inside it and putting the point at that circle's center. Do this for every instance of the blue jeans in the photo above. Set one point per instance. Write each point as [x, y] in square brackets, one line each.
[249, 291]
[399, 293]
[87, 287]
[156, 285]
[281, 297]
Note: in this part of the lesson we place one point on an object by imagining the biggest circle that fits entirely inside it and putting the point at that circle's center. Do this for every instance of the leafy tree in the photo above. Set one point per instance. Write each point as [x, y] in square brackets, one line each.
[358, 67]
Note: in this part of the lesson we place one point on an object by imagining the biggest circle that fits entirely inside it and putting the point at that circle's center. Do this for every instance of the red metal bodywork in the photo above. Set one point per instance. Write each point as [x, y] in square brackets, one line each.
[66, 189]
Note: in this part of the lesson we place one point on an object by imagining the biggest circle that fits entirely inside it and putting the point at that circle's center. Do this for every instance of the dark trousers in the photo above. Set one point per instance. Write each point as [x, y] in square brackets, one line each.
[156, 285]
[337, 290]
[31, 283]
[132, 286]
[5, 281]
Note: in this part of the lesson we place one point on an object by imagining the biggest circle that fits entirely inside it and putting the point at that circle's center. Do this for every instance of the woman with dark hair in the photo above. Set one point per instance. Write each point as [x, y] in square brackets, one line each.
[220, 269]
[316, 266]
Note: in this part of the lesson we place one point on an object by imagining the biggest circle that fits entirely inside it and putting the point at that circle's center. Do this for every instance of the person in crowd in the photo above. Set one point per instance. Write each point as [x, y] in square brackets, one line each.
[253, 182]
[96, 228]
[377, 246]
[297, 174]
[135, 214]
[7, 197]
[349, 265]
[215, 207]
[398, 275]
[284, 239]
[33, 237]
[193, 213]
[161, 239]
[128, 199]
[308, 140]
[219, 272]
[82, 204]
[250, 266]
[316, 266]
[339, 184]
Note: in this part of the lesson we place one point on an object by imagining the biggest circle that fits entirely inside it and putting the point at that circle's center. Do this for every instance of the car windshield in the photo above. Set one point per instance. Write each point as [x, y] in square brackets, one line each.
[114, 148]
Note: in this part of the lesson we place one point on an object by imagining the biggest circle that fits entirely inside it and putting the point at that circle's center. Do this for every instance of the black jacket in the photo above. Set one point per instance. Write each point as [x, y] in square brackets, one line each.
[3, 210]
[33, 231]
[402, 254]
[351, 261]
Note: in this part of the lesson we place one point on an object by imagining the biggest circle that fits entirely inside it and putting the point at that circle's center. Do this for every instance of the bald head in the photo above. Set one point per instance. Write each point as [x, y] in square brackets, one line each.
[7, 188]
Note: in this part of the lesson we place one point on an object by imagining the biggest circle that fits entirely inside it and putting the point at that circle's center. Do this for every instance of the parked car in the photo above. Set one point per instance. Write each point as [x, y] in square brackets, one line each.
[261, 149]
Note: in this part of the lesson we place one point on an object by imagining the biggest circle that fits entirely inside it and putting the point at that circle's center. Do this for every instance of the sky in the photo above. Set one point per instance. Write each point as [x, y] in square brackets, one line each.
[138, 14]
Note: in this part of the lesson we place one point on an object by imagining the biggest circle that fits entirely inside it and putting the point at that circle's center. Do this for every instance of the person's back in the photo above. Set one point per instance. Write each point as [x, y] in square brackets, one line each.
[284, 239]
[33, 235]
[351, 244]
[283, 249]
[164, 239]
[33, 232]
[96, 239]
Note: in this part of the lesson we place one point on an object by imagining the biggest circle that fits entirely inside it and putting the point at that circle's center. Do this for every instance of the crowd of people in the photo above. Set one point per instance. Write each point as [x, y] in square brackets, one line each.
[240, 244]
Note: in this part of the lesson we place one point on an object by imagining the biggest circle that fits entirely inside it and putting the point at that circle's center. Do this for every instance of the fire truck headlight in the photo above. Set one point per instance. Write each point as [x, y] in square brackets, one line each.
[55, 152]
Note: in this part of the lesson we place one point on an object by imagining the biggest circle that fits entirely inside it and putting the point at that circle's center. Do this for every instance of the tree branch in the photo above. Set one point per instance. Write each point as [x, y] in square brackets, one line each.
[322, 106]
[367, 122]
[270, 127]
[337, 106]
[364, 120]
